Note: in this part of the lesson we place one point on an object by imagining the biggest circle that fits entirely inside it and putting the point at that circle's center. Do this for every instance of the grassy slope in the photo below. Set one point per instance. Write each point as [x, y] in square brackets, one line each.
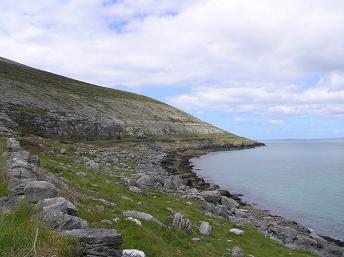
[155, 241]
[18, 229]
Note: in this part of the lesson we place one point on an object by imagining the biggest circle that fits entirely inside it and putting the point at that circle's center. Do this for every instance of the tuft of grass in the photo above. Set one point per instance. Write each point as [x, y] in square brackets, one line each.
[18, 231]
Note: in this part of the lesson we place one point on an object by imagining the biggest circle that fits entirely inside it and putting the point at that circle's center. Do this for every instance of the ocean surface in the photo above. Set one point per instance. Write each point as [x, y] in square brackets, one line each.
[300, 180]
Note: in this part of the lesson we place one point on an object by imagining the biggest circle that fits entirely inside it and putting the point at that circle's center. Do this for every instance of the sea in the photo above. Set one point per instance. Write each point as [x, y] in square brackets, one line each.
[302, 180]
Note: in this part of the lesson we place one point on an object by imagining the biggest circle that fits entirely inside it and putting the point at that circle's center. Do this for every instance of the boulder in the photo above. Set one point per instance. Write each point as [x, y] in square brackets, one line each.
[287, 234]
[142, 216]
[93, 165]
[211, 196]
[58, 204]
[180, 222]
[237, 231]
[173, 182]
[61, 221]
[240, 213]
[309, 242]
[133, 253]
[238, 252]
[144, 181]
[97, 242]
[136, 190]
[205, 228]
[39, 190]
[229, 202]
[321, 242]
[13, 145]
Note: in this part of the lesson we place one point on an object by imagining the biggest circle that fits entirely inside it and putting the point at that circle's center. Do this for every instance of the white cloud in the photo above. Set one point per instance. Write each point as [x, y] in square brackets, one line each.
[276, 122]
[238, 55]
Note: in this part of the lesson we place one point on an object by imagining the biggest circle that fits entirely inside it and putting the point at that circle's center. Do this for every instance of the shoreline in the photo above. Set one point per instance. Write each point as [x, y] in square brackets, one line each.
[177, 163]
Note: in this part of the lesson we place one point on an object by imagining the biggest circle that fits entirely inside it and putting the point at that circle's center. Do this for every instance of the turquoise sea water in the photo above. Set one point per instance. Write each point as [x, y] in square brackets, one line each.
[300, 180]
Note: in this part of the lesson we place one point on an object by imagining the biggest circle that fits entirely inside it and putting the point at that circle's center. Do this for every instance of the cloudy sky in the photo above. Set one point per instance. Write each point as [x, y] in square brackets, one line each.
[262, 69]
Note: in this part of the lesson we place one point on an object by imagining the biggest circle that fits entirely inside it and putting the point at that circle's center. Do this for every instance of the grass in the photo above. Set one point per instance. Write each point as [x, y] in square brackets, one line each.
[18, 231]
[152, 239]
[3, 176]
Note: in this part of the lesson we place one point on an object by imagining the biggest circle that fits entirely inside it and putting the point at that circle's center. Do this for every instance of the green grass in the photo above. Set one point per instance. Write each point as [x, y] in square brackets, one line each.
[18, 231]
[3, 176]
[152, 239]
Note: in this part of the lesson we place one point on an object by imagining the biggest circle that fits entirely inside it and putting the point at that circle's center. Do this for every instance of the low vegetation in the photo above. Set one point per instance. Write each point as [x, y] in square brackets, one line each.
[21, 234]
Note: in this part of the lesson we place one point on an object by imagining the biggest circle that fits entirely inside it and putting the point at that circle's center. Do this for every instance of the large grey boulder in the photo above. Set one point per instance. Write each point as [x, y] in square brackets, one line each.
[237, 231]
[142, 216]
[321, 242]
[180, 222]
[61, 221]
[39, 190]
[144, 181]
[229, 202]
[20, 169]
[13, 145]
[173, 182]
[133, 253]
[97, 242]
[211, 196]
[287, 234]
[57, 204]
[205, 228]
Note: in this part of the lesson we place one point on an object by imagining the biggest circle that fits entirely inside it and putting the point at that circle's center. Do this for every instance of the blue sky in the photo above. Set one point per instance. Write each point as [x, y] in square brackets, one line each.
[262, 69]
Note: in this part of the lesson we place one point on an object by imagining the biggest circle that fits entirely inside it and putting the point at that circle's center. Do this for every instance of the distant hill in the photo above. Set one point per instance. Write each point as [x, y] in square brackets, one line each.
[43, 103]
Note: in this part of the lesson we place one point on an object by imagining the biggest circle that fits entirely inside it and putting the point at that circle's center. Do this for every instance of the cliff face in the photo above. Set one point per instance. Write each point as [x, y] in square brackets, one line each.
[47, 104]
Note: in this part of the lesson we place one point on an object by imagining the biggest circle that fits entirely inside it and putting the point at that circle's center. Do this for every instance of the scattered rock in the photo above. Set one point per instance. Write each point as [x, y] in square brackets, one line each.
[97, 242]
[287, 234]
[93, 165]
[106, 222]
[211, 196]
[61, 221]
[136, 190]
[237, 231]
[136, 221]
[229, 202]
[142, 216]
[180, 222]
[13, 145]
[39, 190]
[144, 181]
[100, 208]
[205, 228]
[58, 204]
[133, 253]
[81, 174]
[238, 252]
[62, 150]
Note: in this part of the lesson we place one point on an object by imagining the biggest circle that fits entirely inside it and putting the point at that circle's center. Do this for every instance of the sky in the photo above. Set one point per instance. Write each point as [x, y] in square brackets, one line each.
[266, 69]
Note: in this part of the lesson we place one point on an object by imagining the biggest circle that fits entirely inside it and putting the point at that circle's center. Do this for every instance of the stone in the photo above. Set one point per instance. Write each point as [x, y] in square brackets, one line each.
[136, 221]
[81, 174]
[61, 221]
[205, 228]
[93, 165]
[211, 196]
[309, 242]
[144, 181]
[240, 213]
[180, 222]
[100, 208]
[136, 190]
[97, 242]
[286, 233]
[237, 231]
[229, 202]
[58, 204]
[13, 145]
[62, 150]
[34, 159]
[142, 216]
[39, 190]
[321, 242]
[133, 253]
[106, 222]
[173, 182]
[238, 252]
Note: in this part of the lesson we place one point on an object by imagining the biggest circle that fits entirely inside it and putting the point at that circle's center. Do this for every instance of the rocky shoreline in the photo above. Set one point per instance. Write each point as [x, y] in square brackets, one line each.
[275, 227]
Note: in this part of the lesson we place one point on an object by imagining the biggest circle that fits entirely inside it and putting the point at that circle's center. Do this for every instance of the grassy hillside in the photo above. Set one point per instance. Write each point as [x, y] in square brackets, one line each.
[48, 104]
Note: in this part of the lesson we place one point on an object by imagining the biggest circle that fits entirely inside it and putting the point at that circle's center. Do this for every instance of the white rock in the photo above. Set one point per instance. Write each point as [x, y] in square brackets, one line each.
[237, 231]
[205, 228]
[133, 253]
[136, 221]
